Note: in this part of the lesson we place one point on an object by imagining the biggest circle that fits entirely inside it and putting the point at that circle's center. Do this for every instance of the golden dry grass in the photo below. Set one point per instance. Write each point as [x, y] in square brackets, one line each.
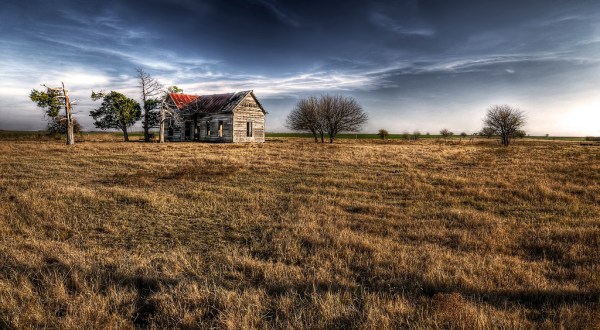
[292, 234]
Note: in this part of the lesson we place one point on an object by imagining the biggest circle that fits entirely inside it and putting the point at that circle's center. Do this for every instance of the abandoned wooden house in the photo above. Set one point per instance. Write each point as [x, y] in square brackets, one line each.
[230, 117]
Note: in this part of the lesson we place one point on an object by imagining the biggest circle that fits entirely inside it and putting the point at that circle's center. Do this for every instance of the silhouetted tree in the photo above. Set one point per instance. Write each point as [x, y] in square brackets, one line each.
[505, 120]
[446, 133]
[327, 114]
[417, 135]
[307, 116]
[383, 134]
[116, 111]
[341, 114]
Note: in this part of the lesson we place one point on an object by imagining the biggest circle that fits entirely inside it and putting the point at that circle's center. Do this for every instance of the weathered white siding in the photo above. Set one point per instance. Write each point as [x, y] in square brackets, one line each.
[248, 111]
[235, 124]
[213, 120]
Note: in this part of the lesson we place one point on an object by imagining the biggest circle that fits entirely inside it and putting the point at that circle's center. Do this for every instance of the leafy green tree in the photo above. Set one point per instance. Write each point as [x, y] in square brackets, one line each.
[52, 100]
[174, 89]
[116, 111]
[49, 101]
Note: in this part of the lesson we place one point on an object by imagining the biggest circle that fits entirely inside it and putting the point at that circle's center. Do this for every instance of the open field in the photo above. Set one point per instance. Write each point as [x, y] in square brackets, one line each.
[290, 234]
[41, 135]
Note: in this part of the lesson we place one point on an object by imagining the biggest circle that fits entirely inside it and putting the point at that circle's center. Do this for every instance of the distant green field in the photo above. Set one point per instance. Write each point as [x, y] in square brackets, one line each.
[402, 136]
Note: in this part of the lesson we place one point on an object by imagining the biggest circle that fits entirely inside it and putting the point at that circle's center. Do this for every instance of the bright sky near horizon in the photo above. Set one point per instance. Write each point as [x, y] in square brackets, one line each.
[413, 65]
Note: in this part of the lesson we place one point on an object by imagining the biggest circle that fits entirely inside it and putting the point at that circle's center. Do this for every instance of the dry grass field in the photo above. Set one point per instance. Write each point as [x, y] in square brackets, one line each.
[292, 234]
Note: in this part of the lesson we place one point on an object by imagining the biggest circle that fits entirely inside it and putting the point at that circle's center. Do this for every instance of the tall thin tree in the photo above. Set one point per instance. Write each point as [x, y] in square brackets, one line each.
[151, 90]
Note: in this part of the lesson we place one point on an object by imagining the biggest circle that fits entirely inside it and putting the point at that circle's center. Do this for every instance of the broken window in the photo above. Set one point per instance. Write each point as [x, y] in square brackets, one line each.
[220, 129]
[208, 128]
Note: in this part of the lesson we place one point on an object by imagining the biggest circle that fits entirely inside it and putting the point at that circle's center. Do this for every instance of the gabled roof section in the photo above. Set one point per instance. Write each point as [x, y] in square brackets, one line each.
[219, 102]
[210, 103]
[181, 100]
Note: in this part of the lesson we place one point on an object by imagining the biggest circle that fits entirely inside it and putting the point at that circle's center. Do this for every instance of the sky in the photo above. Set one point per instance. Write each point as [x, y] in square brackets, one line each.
[412, 65]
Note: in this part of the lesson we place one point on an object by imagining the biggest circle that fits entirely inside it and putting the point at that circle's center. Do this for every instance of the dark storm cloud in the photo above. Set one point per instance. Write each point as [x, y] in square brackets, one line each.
[410, 63]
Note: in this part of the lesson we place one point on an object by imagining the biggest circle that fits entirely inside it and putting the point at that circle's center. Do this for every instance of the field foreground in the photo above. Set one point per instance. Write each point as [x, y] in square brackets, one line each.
[292, 234]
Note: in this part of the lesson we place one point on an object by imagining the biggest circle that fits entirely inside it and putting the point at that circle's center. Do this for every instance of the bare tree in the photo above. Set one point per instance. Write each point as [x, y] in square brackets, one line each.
[306, 116]
[505, 120]
[52, 100]
[151, 89]
[169, 113]
[341, 114]
[446, 133]
[327, 114]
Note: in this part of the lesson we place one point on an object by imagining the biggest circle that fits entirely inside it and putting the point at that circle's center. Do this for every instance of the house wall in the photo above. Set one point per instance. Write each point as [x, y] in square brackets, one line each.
[248, 111]
[213, 121]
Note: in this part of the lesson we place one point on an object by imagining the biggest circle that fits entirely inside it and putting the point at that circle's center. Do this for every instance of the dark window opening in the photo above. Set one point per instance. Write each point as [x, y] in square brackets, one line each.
[208, 128]
[249, 129]
[220, 129]
[188, 130]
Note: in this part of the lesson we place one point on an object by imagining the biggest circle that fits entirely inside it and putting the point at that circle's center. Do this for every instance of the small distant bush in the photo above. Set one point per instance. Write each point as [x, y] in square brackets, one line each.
[487, 132]
[406, 135]
[416, 135]
[446, 133]
[383, 134]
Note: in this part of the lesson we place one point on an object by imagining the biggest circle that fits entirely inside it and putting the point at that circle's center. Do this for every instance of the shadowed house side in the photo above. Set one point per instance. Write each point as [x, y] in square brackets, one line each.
[229, 117]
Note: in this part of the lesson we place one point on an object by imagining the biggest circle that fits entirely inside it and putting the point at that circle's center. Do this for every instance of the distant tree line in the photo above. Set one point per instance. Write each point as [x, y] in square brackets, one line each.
[504, 121]
[327, 114]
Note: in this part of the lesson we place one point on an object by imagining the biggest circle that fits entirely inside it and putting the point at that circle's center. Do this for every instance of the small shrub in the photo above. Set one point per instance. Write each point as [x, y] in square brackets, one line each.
[446, 133]
[383, 134]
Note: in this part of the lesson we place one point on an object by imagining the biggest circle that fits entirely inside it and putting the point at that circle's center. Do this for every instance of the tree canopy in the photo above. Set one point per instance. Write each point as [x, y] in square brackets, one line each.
[116, 111]
[506, 121]
[49, 100]
[327, 114]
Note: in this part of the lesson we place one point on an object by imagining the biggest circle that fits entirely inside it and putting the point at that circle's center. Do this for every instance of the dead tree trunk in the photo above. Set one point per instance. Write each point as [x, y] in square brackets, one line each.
[69, 116]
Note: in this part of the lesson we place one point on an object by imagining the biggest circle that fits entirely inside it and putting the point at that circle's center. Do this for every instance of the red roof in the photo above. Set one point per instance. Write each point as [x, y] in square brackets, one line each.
[181, 100]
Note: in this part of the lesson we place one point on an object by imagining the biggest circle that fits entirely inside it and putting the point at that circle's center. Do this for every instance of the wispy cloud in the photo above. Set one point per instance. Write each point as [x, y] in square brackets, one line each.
[407, 29]
[277, 10]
